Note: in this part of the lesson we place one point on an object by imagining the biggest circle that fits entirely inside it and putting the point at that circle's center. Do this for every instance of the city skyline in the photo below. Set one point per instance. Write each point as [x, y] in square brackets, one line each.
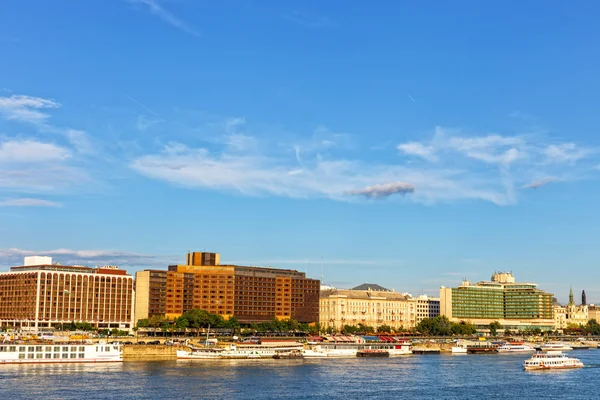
[410, 148]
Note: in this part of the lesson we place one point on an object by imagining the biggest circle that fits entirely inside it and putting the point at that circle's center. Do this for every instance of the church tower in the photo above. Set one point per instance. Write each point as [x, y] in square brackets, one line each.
[583, 298]
[571, 301]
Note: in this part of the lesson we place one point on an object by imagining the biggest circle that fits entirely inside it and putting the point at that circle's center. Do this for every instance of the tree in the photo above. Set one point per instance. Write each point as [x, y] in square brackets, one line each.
[384, 328]
[592, 327]
[494, 326]
[155, 321]
[143, 323]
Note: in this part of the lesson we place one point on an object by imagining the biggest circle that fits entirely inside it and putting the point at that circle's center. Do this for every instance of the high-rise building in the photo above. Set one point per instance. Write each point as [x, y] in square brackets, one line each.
[514, 305]
[251, 294]
[45, 295]
[367, 304]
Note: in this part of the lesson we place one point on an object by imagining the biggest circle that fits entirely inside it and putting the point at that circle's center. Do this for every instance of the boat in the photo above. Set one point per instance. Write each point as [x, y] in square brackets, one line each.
[350, 349]
[459, 348]
[482, 347]
[45, 353]
[515, 347]
[372, 353]
[242, 351]
[555, 346]
[551, 360]
[293, 355]
[579, 346]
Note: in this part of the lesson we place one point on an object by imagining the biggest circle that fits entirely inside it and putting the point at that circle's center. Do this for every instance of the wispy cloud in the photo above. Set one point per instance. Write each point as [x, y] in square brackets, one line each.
[485, 167]
[31, 151]
[310, 20]
[28, 202]
[566, 153]
[26, 108]
[418, 149]
[14, 257]
[540, 182]
[157, 9]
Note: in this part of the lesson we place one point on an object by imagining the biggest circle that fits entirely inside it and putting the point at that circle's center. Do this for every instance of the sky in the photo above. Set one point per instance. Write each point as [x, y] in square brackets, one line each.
[408, 145]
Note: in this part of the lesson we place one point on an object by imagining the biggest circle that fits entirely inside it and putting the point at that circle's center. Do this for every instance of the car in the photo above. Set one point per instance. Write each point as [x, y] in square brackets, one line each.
[127, 342]
[141, 342]
[154, 342]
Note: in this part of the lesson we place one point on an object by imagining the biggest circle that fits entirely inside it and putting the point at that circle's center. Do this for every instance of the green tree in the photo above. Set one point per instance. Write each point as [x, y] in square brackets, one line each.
[143, 323]
[494, 326]
[384, 328]
[155, 321]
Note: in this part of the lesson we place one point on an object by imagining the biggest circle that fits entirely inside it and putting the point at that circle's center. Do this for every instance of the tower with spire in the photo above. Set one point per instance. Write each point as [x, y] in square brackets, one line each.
[571, 300]
[583, 298]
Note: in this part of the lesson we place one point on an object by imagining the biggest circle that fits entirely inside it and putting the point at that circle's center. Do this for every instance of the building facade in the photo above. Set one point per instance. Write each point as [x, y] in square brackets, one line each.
[427, 307]
[576, 314]
[251, 294]
[370, 305]
[49, 295]
[516, 306]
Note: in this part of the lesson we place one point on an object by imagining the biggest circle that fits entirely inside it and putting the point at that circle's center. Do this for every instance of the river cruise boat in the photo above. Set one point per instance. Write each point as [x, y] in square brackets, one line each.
[243, 351]
[515, 347]
[551, 360]
[555, 346]
[40, 353]
[460, 347]
[347, 350]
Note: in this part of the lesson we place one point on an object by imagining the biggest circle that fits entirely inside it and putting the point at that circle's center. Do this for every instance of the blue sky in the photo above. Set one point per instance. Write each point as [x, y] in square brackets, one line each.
[404, 145]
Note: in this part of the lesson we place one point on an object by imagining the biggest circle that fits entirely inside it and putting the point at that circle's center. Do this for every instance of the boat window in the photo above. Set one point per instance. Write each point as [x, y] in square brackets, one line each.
[21, 355]
[12, 348]
[38, 348]
[81, 355]
[39, 355]
[21, 348]
[48, 355]
[56, 355]
[73, 355]
[81, 348]
[57, 349]
[65, 355]
[30, 355]
[48, 349]
[65, 349]
[29, 348]
[2, 348]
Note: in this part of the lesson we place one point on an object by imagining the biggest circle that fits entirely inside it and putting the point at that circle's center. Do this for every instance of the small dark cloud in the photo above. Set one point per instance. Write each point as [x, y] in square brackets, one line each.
[541, 182]
[384, 190]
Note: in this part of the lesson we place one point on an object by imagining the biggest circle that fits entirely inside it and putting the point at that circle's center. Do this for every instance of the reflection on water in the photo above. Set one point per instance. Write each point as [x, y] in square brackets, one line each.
[413, 377]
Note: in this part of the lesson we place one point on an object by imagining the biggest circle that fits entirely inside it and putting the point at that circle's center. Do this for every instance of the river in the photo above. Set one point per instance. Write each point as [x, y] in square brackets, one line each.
[411, 377]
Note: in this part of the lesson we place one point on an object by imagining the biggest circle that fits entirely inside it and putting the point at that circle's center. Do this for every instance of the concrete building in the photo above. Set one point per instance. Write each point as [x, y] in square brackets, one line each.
[560, 317]
[367, 304]
[251, 294]
[427, 307]
[515, 305]
[45, 295]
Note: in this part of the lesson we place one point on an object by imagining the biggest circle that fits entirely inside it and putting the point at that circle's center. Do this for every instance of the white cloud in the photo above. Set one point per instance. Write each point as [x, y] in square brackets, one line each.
[28, 202]
[14, 257]
[26, 108]
[565, 153]
[31, 151]
[418, 149]
[144, 122]
[155, 8]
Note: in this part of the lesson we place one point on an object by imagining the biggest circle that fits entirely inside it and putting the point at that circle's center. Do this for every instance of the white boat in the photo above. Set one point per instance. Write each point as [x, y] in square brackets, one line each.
[460, 348]
[555, 346]
[551, 360]
[42, 353]
[515, 347]
[242, 351]
[346, 350]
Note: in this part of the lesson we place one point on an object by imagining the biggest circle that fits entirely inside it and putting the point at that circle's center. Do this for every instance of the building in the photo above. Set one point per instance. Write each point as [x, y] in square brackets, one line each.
[427, 307]
[515, 305]
[367, 304]
[45, 295]
[576, 314]
[560, 317]
[251, 294]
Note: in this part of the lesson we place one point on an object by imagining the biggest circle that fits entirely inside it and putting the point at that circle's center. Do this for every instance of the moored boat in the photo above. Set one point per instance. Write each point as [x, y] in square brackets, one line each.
[372, 353]
[44, 353]
[551, 360]
[555, 346]
[515, 347]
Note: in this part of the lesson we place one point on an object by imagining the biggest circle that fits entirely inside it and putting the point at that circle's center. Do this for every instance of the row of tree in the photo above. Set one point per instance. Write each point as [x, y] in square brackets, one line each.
[442, 326]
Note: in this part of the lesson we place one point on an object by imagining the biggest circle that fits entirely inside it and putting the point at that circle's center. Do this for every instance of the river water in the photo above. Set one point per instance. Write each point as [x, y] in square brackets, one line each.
[411, 377]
